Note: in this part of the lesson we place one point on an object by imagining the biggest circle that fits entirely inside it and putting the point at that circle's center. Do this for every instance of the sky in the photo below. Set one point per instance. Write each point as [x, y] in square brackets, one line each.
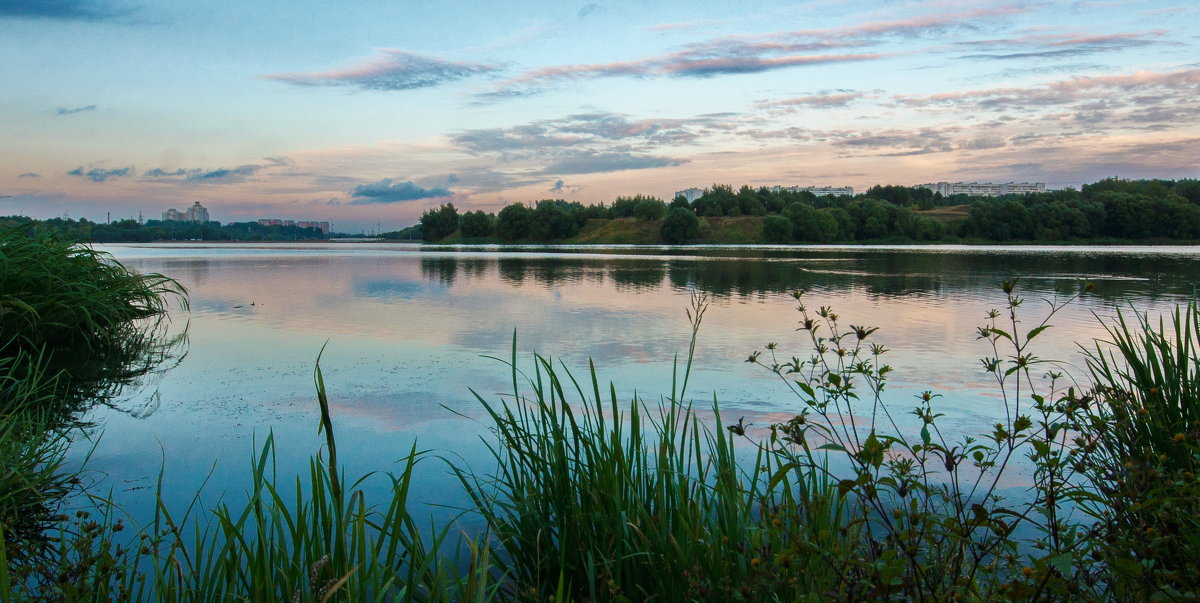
[367, 114]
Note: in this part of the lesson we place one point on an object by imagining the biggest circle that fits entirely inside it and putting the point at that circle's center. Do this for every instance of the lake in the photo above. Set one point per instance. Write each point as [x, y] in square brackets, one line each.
[410, 332]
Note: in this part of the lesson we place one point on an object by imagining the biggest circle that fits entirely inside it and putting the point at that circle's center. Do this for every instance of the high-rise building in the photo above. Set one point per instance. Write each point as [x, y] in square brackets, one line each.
[195, 213]
[691, 194]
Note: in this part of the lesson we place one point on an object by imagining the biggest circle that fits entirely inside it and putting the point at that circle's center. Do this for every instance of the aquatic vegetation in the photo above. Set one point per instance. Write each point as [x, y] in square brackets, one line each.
[598, 503]
[936, 523]
[70, 309]
[75, 327]
[1141, 436]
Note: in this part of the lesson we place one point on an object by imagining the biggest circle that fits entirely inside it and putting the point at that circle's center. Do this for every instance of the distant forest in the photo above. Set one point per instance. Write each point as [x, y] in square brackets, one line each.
[132, 231]
[1111, 209]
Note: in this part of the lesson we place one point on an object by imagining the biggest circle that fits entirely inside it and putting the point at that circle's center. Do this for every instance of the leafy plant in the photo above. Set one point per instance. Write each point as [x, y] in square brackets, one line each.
[935, 523]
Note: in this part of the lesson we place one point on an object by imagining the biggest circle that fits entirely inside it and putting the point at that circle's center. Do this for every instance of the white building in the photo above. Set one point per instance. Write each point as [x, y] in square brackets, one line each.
[691, 194]
[984, 189]
[321, 226]
[195, 213]
[820, 191]
[836, 191]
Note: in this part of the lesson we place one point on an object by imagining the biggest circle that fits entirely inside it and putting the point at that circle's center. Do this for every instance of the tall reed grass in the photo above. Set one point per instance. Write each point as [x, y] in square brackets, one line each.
[598, 502]
[1142, 439]
[64, 297]
[75, 327]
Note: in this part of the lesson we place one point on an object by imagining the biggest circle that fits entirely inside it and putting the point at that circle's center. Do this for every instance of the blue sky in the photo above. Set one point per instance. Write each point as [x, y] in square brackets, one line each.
[371, 113]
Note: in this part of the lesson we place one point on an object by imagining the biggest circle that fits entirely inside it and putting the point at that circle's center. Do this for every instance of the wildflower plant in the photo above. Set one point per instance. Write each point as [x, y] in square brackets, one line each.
[934, 521]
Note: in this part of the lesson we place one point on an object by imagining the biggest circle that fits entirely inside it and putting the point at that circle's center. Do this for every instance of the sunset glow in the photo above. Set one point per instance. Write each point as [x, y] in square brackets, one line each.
[365, 116]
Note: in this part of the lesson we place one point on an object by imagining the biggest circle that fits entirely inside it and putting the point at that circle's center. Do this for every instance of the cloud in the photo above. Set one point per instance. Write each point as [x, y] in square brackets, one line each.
[589, 9]
[517, 138]
[62, 10]
[29, 175]
[814, 101]
[66, 111]
[561, 186]
[237, 174]
[100, 175]
[387, 191]
[389, 71]
[226, 173]
[1141, 100]
[583, 130]
[683, 64]
[591, 162]
[1059, 45]
[754, 53]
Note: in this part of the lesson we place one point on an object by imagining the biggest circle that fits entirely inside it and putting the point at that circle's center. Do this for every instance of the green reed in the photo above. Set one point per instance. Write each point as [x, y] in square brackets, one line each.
[64, 296]
[79, 315]
[600, 503]
[307, 539]
[1142, 438]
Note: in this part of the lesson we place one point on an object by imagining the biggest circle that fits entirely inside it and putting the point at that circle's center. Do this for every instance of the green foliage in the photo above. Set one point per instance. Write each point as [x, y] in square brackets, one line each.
[778, 229]
[1141, 439]
[130, 230]
[601, 504]
[650, 209]
[437, 224]
[1118, 209]
[32, 476]
[553, 220]
[513, 223]
[936, 524]
[62, 296]
[68, 307]
[75, 325]
[477, 224]
[304, 540]
[809, 224]
[680, 226]
[627, 207]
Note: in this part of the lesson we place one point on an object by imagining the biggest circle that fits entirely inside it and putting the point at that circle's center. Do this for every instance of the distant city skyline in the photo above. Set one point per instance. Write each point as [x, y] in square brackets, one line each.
[369, 116]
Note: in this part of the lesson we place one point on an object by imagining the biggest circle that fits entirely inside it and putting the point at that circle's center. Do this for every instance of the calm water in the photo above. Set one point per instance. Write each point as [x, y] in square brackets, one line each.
[409, 331]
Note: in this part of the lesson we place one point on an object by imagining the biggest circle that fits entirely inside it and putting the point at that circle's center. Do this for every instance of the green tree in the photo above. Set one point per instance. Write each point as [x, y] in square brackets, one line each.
[513, 222]
[749, 203]
[437, 224]
[650, 209]
[553, 220]
[680, 226]
[477, 224]
[777, 229]
[844, 220]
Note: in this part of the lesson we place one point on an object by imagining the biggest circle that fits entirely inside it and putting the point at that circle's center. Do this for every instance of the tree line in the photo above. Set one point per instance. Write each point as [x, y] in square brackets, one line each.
[132, 231]
[1108, 209]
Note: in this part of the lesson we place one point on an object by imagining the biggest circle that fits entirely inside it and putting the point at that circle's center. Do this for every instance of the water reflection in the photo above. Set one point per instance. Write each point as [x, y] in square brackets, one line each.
[407, 327]
[879, 273]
